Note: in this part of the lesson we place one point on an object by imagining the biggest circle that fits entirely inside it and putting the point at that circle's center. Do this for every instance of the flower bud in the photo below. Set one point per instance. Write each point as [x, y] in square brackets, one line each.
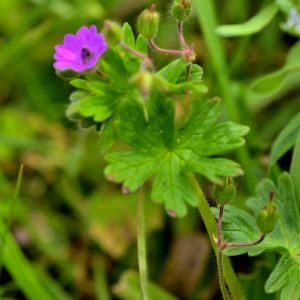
[267, 218]
[148, 23]
[112, 32]
[181, 9]
[225, 192]
[144, 80]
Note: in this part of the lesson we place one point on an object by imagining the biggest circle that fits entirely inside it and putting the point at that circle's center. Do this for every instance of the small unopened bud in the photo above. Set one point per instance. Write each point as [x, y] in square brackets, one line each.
[225, 192]
[267, 218]
[67, 74]
[148, 23]
[181, 9]
[145, 81]
[112, 32]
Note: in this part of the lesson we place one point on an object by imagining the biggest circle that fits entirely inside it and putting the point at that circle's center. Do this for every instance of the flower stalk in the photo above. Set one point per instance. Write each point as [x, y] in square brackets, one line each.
[180, 34]
[141, 241]
[221, 275]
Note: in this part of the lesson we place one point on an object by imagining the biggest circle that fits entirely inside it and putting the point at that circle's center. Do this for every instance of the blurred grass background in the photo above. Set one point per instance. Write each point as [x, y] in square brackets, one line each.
[75, 230]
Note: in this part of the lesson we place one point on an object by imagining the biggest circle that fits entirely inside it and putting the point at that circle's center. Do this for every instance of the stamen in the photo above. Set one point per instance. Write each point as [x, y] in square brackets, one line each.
[86, 55]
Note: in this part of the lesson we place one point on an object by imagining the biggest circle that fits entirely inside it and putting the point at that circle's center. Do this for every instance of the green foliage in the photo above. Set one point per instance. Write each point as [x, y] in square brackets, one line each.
[285, 140]
[174, 75]
[162, 151]
[254, 25]
[239, 226]
[271, 83]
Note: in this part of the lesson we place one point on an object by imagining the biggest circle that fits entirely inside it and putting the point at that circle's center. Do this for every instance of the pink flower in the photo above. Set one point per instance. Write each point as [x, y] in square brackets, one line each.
[81, 51]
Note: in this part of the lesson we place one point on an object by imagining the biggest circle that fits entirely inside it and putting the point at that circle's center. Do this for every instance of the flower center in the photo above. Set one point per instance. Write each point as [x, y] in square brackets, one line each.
[86, 55]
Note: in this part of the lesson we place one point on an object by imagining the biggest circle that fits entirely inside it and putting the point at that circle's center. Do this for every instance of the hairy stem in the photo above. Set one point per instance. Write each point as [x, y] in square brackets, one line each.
[174, 52]
[220, 224]
[141, 241]
[211, 226]
[247, 244]
[180, 34]
[136, 53]
[187, 93]
[221, 276]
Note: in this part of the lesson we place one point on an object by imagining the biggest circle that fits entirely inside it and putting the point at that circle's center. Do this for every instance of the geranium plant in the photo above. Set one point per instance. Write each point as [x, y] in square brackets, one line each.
[122, 95]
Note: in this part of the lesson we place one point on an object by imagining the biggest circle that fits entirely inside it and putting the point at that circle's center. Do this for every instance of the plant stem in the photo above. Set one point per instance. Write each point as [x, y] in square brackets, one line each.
[187, 94]
[220, 224]
[246, 244]
[174, 52]
[221, 275]
[141, 241]
[136, 53]
[208, 21]
[211, 226]
[180, 34]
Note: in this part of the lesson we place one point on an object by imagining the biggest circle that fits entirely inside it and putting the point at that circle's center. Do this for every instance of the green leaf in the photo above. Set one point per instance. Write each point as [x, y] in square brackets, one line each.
[132, 62]
[102, 106]
[211, 168]
[180, 88]
[108, 134]
[285, 140]
[128, 36]
[173, 71]
[160, 151]
[113, 65]
[78, 95]
[81, 84]
[175, 76]
[172, 188]
[285, 276]
[240, 227]
[272, 83]
[141, 44]
[254, 25]
[195, 75]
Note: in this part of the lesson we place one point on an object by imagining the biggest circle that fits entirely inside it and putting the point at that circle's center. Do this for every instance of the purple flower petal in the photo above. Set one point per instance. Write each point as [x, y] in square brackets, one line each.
[81, 51]
[71, 42]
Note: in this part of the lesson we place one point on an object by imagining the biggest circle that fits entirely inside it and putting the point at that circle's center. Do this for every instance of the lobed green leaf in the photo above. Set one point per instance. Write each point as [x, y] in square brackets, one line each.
[101, 106]
[162, 152]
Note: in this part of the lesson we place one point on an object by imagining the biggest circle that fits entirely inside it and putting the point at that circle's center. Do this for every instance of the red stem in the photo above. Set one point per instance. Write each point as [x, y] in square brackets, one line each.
[220, 224]
[138, 54]
[182, 41]
[175, 52]
[247, 244]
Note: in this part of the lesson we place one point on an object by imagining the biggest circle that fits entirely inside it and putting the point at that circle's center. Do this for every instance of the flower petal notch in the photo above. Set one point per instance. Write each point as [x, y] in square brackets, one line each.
[81, 51]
